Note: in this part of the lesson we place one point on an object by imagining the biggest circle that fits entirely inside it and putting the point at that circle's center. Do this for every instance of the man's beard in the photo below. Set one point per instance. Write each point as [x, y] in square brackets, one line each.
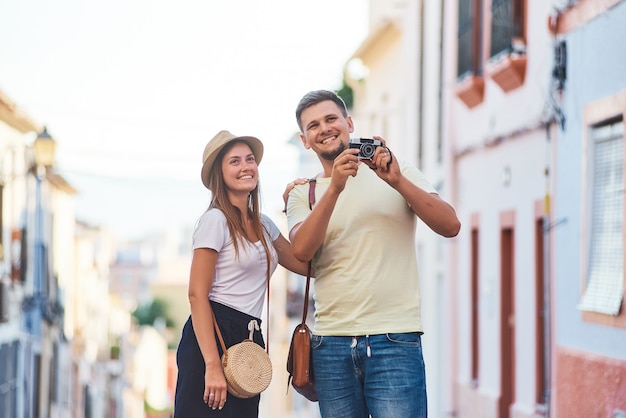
[331, 155]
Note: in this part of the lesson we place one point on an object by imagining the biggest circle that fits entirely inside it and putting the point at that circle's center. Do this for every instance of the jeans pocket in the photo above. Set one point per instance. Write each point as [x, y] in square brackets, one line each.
[316, 341]
[412, 339]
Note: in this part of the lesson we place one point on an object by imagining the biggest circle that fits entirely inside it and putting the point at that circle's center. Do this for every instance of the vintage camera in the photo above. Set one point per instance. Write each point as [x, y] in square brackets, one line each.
[366, 147]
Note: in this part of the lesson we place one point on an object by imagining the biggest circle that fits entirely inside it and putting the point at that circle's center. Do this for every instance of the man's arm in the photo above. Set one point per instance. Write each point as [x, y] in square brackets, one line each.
[429, 207]
[307, 236]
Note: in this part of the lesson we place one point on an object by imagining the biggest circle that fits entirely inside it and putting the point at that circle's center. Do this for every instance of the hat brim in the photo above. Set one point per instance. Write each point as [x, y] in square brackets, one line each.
[214, 149]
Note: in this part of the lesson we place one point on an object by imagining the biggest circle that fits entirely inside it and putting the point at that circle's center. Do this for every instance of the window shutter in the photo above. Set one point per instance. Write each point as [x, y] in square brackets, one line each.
[605, 273]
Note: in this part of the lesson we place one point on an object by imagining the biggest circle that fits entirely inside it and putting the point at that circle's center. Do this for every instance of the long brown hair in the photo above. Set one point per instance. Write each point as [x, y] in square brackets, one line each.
[234, 218]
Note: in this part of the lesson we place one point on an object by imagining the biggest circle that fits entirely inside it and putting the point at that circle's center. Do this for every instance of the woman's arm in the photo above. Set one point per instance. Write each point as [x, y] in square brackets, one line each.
[201, 279]
[286, 257]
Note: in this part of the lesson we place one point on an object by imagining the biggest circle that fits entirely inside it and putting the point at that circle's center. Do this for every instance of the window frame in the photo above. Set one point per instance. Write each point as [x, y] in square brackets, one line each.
[603, 110]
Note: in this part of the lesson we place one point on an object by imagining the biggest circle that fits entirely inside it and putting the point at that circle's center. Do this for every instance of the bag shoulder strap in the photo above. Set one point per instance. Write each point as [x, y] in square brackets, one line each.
[267, 312]
[219, 334]
[312, 183]
[305, 310]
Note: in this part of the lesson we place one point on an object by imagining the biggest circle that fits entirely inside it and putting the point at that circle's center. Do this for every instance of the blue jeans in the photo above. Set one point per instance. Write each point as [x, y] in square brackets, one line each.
[390, 382]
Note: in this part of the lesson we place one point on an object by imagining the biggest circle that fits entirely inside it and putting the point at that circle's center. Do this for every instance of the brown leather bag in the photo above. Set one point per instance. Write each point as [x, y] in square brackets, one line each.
[300, 359]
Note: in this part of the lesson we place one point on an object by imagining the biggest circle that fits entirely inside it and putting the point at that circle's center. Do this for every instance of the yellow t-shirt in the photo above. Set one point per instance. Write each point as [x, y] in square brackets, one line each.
[366, 269]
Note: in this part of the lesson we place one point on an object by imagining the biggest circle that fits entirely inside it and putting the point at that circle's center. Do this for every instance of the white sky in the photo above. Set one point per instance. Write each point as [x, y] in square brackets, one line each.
[133, 89]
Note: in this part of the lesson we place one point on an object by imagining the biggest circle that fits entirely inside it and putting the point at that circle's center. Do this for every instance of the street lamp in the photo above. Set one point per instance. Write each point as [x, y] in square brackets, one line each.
[44, 148]
[36, 305]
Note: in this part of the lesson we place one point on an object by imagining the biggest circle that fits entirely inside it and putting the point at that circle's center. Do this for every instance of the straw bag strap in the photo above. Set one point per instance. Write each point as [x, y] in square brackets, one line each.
[305, 309]
[219, 334]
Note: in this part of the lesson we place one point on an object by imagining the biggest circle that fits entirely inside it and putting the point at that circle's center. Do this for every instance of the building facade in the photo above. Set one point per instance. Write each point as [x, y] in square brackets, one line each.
[500, 105]
[498, 116]
[16, 131]
[589, 351]
[56, 320]
[34, 353]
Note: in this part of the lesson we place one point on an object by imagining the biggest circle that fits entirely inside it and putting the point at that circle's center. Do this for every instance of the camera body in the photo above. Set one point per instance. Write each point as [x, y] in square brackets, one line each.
[366, 146]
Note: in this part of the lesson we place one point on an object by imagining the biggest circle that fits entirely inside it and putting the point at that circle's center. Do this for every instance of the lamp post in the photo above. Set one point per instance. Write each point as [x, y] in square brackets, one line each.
[34, 396]
[44, 149]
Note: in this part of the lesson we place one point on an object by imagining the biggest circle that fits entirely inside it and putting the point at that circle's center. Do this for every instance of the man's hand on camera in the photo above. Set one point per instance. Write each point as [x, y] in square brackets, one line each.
[345, 165]
[384, 163]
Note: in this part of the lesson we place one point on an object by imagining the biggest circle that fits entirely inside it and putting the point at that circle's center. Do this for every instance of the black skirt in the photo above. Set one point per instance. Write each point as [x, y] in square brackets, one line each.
[188, 402]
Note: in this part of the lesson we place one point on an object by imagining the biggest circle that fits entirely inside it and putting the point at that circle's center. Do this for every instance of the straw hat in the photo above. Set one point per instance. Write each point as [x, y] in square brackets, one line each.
[217, 143]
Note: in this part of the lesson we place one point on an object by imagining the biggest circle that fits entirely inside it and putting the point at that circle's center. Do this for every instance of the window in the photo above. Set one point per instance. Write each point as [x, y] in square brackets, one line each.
[507, 52]
[471, 88]
[603, 130]
[605, 268]
[502, 33]
[507, 27]
[469, 42]
[19, 255]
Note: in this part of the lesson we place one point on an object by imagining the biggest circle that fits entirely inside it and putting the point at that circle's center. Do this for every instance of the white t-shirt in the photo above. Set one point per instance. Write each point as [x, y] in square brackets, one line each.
[240, 281]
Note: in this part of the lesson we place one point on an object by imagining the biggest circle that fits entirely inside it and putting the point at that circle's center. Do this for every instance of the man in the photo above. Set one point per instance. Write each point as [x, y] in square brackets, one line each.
[360, 236]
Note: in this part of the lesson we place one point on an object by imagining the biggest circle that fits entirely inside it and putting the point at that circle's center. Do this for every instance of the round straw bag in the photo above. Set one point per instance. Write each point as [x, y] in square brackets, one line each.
[247, 366]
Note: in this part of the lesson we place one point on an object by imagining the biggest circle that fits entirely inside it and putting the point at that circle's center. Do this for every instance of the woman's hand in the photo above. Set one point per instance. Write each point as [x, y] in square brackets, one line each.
[290, 187]
[215, 390]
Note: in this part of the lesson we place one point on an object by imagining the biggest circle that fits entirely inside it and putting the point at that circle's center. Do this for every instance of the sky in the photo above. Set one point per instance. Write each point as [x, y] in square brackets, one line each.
[132, 90]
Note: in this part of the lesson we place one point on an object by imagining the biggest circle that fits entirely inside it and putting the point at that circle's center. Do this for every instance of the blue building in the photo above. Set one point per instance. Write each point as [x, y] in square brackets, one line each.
[588, 211]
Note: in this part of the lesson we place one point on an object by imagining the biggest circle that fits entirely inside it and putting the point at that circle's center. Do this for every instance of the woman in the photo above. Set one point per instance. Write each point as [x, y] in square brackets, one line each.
[235, 250]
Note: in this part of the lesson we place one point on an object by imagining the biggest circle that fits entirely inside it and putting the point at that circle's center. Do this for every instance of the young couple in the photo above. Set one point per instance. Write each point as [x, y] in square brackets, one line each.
[360, 236]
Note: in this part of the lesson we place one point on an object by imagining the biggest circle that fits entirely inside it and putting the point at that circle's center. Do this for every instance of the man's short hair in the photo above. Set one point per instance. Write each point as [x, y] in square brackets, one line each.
[315, 97]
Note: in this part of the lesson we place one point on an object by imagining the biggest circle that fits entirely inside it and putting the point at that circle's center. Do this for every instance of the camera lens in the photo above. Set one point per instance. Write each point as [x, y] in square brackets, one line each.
[367, 151]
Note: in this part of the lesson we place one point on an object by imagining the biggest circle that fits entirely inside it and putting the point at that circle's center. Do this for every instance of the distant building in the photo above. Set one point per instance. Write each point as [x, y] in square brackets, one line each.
[36, 242]
[132, 272]
[17, 131]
